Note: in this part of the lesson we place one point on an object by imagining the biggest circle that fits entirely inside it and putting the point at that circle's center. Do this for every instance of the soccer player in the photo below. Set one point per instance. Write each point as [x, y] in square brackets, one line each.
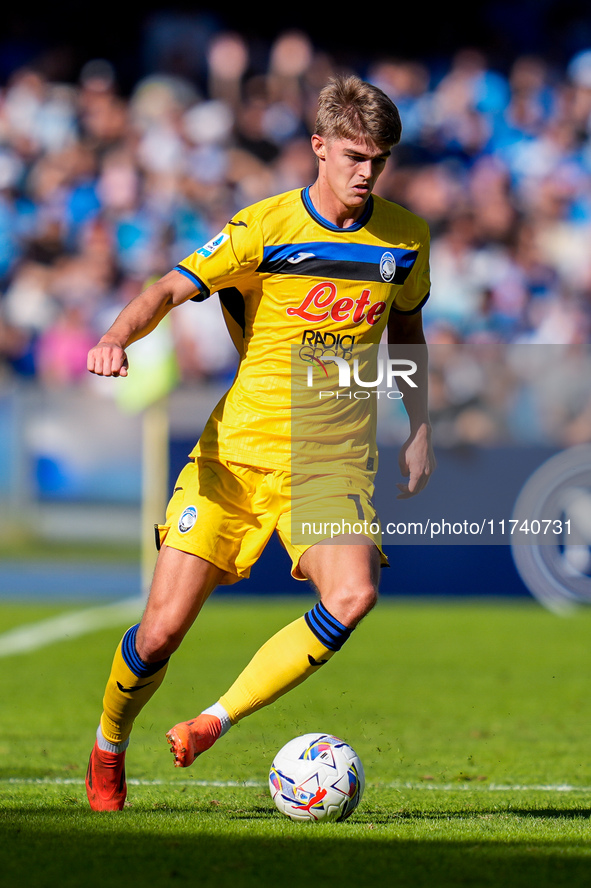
[328, 264]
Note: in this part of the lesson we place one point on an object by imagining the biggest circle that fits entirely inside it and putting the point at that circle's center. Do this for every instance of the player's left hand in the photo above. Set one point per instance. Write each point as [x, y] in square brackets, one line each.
[417, 462]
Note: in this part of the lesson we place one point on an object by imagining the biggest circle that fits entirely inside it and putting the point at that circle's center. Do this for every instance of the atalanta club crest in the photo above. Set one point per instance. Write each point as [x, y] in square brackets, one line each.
[187, 519]
[387, 267]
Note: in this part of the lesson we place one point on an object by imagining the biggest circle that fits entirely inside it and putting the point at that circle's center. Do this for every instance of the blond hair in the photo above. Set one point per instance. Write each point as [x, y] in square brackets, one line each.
[351, 108]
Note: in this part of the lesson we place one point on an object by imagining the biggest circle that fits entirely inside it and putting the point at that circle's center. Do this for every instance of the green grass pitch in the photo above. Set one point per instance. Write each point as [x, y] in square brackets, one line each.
[472, 719]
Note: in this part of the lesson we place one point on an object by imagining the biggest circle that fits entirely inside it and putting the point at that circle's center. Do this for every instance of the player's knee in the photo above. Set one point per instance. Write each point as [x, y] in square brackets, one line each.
[365, 600]
[157, 643]
[351, 604]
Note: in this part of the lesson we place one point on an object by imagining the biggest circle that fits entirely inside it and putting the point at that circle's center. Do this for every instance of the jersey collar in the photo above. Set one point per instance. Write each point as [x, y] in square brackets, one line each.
[363, 219]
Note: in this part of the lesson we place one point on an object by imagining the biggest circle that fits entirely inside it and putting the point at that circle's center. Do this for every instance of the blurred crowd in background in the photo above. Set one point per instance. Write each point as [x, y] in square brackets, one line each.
[101, 191]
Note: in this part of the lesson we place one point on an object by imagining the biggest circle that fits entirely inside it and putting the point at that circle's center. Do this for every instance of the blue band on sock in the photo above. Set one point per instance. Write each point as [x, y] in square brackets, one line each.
[133, 659]
[326, 628]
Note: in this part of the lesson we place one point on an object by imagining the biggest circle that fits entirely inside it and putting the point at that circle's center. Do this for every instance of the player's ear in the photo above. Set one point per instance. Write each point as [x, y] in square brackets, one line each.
[319, 146]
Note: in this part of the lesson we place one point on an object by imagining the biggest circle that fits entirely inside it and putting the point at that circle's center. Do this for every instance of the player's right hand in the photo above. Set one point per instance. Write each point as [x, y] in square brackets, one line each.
[107, 359]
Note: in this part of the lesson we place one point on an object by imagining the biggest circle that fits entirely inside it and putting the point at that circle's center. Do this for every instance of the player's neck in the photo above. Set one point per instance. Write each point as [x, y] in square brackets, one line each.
[327, 205]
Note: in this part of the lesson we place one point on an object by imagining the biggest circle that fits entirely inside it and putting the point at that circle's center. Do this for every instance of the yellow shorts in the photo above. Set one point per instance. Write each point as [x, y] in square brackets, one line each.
[226, 513]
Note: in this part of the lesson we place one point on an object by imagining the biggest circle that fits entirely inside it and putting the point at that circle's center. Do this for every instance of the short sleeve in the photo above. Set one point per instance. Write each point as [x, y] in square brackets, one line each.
[415, 291]
[229, 257]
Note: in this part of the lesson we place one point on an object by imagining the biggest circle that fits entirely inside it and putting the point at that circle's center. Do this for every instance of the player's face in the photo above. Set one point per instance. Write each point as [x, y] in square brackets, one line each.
[348, 171]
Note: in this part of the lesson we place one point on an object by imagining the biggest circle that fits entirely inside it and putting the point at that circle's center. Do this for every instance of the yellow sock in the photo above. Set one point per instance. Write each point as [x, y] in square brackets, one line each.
[283, 662]
[131, 684]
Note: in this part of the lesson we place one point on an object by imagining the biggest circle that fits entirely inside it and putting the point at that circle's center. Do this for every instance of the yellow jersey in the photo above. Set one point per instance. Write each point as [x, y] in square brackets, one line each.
[295, 287]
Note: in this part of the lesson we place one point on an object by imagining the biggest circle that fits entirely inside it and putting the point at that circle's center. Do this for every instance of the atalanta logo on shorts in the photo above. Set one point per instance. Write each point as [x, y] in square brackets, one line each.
[187, 519]
[387, 267]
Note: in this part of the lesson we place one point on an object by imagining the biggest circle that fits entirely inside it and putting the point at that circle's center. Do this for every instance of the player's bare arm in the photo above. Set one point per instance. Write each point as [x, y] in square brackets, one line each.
[416, 458]
[136, 320]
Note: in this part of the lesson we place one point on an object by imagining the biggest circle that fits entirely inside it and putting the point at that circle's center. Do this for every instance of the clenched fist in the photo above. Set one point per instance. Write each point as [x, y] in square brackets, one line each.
[107, 359]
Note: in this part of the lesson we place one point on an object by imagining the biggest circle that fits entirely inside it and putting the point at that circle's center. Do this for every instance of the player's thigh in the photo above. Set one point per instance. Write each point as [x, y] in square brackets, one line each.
[327, 510]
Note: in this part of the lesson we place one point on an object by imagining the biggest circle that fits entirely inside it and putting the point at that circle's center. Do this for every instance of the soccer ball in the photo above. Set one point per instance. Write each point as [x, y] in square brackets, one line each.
[316, 777]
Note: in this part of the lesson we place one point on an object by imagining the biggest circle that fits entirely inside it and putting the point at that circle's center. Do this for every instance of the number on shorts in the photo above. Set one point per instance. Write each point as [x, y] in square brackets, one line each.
[357, 500]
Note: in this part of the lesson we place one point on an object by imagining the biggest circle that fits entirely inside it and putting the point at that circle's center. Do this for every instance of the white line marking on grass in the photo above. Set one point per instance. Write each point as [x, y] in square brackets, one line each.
[257, 784]
[489, 787]
[32, 636]
[77, 781]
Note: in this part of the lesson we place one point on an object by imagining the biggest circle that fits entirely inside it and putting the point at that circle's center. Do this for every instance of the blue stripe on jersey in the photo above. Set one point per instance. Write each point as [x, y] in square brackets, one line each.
[133, 659]
[327, 628]
[203, 293]
[295, 254]
[344, 261]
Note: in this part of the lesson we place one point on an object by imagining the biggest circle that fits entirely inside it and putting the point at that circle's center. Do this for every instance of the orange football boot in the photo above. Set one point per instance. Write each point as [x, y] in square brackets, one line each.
[105, 780]
[189, 739]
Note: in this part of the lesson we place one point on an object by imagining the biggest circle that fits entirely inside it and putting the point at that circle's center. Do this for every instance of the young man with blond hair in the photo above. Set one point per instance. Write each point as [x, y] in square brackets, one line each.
[330, 262]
